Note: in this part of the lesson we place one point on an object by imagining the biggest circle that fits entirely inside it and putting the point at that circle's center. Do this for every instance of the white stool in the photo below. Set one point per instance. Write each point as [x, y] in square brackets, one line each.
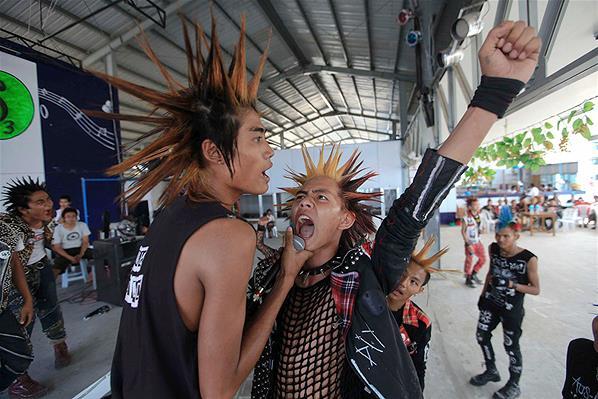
[70, 274]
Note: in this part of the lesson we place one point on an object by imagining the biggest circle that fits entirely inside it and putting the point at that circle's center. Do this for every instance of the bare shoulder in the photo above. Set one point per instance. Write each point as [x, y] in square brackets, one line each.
[220, 244]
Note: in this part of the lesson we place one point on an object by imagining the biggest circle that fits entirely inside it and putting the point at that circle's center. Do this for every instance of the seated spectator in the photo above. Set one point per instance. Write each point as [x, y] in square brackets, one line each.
[593, 212]
[514, 207]
[489, 207]
[533, 191]
[522, 206]
[70, 241]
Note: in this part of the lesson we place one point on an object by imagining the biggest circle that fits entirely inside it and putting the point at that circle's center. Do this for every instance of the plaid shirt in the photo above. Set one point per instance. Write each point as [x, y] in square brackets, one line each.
[412, 315]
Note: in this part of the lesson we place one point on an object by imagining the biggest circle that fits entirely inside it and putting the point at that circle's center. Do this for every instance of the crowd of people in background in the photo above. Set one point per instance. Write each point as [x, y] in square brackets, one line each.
[543, 200]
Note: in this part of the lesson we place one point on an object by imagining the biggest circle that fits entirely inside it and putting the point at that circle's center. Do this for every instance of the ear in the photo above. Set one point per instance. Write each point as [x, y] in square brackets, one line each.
[211, 153]
[422, 289]
[347, 220]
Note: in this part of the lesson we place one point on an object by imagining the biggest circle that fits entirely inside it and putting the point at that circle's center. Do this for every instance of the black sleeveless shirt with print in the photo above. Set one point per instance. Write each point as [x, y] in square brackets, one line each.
[156, 355]
[513, 268]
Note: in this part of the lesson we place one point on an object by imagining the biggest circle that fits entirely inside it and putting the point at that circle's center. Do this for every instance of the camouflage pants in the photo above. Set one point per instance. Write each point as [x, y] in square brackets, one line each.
[42, 284]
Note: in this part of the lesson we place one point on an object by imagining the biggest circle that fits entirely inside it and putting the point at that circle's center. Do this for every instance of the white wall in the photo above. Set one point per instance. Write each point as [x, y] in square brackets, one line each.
[22, 155]
[382, 157]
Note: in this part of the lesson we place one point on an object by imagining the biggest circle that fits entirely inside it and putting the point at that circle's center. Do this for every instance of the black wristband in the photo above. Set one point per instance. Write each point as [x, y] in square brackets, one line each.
[496, 94]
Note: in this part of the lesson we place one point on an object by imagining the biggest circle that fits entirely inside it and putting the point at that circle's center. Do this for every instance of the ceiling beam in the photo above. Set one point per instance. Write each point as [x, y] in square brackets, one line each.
[293, 46]
[79, 49]
[269, 60]
[555, 10]
[278, 24]
[341, 35]
[502, 11]
[327, 69]
[147, 25]
[342, 129]
[106, 36]
[336, 114]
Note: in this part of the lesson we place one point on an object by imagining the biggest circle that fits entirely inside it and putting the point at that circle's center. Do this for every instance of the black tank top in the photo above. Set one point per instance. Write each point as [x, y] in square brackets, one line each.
[156, 355]
[513, 268]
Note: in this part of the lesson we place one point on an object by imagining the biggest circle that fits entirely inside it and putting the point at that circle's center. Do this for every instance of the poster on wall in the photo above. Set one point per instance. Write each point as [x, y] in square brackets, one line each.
[45, 133]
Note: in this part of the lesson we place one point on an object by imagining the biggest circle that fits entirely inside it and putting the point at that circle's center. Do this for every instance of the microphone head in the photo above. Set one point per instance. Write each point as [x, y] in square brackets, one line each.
[298, 243]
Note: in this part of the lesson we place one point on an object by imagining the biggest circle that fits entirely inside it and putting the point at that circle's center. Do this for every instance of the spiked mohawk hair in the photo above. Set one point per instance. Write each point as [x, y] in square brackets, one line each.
[348, 181]
[16, 193]
[420, 259]
[207, 107]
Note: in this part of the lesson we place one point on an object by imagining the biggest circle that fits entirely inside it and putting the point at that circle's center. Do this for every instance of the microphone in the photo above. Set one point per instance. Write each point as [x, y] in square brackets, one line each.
[98, 311]
[299, 245]
[298, 242]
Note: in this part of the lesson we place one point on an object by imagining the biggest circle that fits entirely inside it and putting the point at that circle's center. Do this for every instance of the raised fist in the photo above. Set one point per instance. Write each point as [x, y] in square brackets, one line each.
[511, 50]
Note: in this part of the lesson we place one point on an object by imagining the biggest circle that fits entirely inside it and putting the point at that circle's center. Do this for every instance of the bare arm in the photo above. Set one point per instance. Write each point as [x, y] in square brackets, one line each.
[463, 231]
[84, 246]
[533, 288]
[18, 279]
[226, 353]
[60, 251]
[468, 135]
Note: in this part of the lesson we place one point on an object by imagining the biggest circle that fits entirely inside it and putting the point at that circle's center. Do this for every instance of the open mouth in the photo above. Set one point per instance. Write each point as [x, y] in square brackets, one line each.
[265, 175]
[305, 227]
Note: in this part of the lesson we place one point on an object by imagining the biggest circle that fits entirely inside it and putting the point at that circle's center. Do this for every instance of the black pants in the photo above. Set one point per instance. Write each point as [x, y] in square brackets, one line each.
[61, 263]
[511, 321]
[15, 349]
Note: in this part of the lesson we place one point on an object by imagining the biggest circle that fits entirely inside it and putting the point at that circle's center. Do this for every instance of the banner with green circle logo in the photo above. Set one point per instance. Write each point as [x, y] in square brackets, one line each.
[16, 106]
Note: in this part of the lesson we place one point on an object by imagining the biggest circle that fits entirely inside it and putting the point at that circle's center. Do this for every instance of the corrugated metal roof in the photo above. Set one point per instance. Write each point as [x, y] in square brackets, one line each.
[356, 42]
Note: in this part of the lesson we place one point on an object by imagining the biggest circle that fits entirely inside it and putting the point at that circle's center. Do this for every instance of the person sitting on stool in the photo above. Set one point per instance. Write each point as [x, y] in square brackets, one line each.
[70, 242]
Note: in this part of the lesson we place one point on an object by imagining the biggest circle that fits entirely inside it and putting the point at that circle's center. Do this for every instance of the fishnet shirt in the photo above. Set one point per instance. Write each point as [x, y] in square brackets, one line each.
[312, 362]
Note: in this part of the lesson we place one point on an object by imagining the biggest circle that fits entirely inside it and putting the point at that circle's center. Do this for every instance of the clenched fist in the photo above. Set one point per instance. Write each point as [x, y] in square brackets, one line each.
[511, 50]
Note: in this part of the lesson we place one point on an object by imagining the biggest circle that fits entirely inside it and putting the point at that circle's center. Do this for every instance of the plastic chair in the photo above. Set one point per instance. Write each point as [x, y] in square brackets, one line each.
[71, 274]
[570, 219]
[487, 224]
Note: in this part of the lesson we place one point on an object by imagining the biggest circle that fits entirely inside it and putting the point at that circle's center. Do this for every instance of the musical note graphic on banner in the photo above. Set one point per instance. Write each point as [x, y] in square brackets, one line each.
[101, 135]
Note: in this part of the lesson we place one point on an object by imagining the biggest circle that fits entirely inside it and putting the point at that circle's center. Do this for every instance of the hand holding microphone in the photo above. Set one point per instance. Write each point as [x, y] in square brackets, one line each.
[294, 255]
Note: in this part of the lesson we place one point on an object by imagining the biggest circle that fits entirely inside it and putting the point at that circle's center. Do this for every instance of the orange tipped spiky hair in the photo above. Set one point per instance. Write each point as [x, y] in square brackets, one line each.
[206, 107]
[349, 177]
[426, 263]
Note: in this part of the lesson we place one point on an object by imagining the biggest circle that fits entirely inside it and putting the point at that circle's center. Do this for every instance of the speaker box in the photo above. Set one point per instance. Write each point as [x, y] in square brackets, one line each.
[113, 261]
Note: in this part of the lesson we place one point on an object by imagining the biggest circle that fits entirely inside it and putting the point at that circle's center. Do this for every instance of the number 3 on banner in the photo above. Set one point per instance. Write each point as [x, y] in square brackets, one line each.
[7, 127]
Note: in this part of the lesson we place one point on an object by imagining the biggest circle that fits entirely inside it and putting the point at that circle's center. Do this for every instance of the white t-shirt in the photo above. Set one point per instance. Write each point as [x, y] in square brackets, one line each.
[533, 192]
[70, 238]
[471, 229]
[39, 252]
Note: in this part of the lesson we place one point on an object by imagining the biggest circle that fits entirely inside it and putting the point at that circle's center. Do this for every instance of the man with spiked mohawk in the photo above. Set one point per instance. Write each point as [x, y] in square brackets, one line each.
[182, 330]
[29, 213]
[414, 324]
[335, 336]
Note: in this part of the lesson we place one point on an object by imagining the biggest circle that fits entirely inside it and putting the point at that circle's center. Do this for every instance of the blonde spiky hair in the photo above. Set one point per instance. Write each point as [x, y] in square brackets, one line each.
[207, 107]
[346, 176]
[420, 259]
